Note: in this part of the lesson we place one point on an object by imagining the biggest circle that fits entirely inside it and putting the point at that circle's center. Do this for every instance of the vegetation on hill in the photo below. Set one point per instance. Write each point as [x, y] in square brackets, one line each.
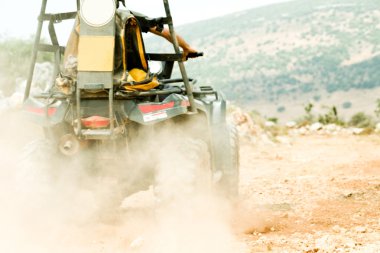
[288, 49]
[15, 56]
[293, 48]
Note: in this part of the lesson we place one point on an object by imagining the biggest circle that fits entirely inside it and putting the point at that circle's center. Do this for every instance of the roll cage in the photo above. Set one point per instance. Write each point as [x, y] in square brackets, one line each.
[58, 51]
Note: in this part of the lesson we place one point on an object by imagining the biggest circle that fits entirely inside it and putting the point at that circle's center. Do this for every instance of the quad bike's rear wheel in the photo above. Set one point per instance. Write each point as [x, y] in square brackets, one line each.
[225, 158]
[222, 152]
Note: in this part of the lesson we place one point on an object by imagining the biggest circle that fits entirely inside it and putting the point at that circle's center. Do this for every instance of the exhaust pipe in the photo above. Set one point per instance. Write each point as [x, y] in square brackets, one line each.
[69, 145]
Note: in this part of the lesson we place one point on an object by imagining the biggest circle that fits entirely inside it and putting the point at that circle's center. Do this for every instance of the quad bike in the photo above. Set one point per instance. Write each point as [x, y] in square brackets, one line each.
[107, 121]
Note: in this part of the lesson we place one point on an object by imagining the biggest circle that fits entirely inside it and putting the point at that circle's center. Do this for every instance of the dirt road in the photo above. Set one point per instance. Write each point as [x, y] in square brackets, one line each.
[316, 193]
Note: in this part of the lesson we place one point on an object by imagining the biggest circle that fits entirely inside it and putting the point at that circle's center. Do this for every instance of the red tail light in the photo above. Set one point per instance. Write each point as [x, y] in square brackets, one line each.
[96, 122]
[148, 108]
[42, 111]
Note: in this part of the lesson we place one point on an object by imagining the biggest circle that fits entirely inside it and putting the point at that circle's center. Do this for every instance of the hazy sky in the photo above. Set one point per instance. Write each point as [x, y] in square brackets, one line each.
[183, 11]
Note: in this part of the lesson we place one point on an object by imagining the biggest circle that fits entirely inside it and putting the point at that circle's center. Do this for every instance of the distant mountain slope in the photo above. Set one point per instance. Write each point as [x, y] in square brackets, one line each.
[293, 49]
[272, 58]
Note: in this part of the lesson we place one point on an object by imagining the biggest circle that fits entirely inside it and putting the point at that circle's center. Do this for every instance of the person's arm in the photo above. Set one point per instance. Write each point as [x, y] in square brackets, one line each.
[181, 42]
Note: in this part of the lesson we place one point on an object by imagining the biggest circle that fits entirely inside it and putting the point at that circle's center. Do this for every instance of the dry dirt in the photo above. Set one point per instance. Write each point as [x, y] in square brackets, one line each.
[317, 193]
[314, 193]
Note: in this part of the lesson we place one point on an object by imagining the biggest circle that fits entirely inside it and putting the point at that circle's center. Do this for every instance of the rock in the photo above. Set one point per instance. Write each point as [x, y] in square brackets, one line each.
[293, 124]
[284, 140]
[244, 124]
[266, 140]
[137, 243]
[332, 128]
[350, 244]
[326, 243]
[269, 124]
[348, 195]
[361, 229]
[269, 246]
[302, 131]
[357, 130]
[337, 229]
[316, 127]
[312, 250]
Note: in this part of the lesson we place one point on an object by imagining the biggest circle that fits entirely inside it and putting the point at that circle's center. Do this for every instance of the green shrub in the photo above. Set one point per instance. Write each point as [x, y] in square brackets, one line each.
[377, 110]
[361, 120]
[330, 117]
[15, 55]
[274, 120]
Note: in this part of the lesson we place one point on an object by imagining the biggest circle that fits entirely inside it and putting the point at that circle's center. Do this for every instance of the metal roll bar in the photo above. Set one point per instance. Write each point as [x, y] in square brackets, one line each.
[188, 86]
[58, 50]
[54, 47]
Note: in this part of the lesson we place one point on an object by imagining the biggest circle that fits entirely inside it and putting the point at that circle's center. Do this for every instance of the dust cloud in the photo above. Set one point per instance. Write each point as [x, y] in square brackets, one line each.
[187, 215]
[51, 204]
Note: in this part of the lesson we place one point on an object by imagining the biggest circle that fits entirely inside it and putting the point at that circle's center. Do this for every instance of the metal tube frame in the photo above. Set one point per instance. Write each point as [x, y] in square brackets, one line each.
[35, 50]
[53, 48]
[188, 86]
[57, 50]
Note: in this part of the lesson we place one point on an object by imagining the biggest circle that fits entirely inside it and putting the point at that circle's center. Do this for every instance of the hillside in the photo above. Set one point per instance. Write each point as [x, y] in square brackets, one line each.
[294, 51]
[273, 59]
[15, 56]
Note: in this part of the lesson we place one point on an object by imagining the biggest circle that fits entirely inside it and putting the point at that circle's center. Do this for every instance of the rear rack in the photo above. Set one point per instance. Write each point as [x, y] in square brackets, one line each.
[128, 95]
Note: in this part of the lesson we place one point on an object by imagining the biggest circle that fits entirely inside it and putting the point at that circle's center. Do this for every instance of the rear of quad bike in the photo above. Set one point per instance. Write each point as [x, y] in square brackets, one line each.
[103, 126]
[137, 120]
